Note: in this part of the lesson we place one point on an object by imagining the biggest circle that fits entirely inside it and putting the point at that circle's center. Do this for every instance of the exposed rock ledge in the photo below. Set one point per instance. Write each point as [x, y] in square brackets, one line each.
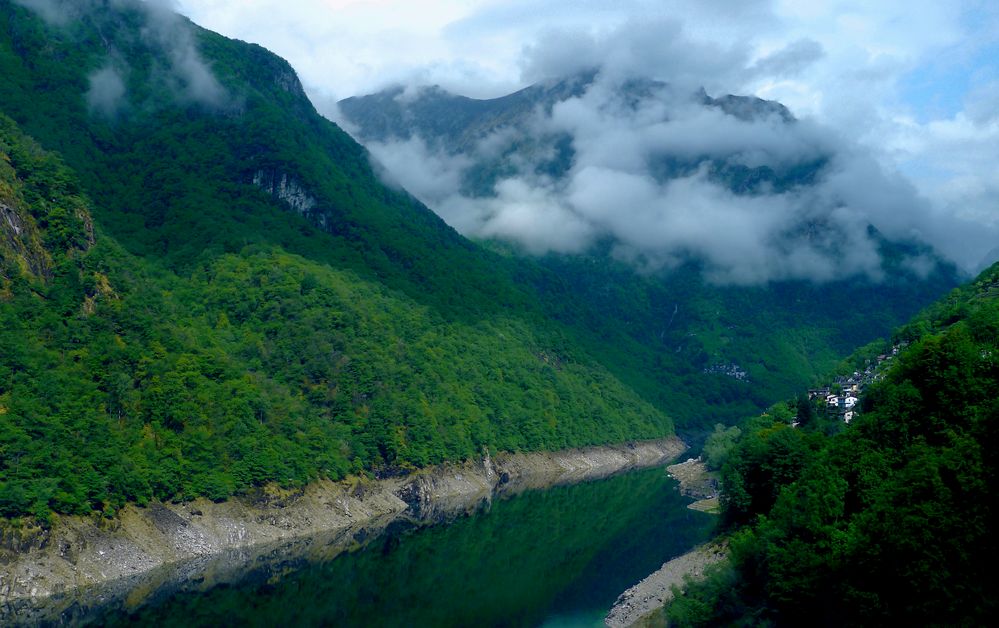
[635, 605]
[58, 574]
[698, 482]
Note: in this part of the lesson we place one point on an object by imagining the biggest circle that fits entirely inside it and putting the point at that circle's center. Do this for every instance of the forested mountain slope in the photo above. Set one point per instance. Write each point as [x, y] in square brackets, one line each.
[889, 520]
[205, 288]
[193, 145]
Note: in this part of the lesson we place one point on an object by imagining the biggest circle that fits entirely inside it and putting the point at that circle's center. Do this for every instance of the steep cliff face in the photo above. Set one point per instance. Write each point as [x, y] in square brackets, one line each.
[21, 249]
[43, 219]
[287, 189]
[20, 246]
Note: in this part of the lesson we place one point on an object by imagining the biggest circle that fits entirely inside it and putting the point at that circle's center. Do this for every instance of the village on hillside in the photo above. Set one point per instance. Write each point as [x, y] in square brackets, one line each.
[841, 397]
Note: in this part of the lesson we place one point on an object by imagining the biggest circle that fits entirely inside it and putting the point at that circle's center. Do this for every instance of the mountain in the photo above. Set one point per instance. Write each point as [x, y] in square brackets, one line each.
[205, 287]
[888, 520]
[455, 123]
[178, 172]
[693, 324]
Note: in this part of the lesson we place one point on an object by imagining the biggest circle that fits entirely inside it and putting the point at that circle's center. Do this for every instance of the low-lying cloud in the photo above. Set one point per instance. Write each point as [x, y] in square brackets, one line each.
[106, 94]
[659, 173]
[52, 11]
[915, 83]
[187, 75]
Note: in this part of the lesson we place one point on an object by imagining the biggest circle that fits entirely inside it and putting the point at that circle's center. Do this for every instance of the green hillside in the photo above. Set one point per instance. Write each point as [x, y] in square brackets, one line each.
[172, 175]
[203, 292]
[676, 338]
[888, 521]
[122, 381]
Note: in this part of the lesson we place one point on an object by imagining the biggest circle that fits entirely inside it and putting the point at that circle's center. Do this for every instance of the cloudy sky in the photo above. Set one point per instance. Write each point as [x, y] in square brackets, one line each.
[915, 83]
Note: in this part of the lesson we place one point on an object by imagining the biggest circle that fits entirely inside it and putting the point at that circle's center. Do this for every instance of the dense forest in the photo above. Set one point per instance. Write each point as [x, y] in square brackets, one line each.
[889, 520]
[121, 381]
[178, 176]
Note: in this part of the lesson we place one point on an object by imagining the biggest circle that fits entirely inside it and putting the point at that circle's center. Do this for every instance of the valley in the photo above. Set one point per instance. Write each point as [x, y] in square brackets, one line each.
[421, 360]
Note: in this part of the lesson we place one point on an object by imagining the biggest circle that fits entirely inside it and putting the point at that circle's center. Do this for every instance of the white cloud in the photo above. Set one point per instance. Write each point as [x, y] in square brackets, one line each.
[612, 193]
[188, 75]
[106, 94]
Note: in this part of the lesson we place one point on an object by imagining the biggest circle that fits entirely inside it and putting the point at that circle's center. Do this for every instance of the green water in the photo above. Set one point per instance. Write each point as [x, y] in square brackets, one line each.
[557, 557]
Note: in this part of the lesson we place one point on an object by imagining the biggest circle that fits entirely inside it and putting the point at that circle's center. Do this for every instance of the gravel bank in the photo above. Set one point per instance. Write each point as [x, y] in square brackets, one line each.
[654, 592]
[694, 478]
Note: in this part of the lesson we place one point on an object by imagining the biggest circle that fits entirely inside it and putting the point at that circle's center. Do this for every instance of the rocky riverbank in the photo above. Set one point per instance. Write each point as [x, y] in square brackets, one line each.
[637, 605]
[698, 482]
[79, 563]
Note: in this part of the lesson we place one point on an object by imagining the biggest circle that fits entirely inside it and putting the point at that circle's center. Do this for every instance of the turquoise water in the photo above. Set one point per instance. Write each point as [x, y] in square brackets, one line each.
[557, 557]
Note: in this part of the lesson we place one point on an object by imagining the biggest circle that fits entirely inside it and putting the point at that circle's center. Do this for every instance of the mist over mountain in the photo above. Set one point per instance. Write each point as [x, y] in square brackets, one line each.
[665, 174]
[729, 209]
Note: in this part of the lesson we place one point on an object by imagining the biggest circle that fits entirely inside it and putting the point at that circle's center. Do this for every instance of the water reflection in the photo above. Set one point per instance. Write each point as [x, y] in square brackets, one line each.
[557, 557]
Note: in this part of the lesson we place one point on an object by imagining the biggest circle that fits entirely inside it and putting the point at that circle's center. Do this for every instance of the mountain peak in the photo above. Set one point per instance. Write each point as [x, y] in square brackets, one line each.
[747, 108]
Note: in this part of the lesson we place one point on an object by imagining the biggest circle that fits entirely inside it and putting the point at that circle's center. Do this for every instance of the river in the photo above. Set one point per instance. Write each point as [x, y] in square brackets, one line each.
[557, 557]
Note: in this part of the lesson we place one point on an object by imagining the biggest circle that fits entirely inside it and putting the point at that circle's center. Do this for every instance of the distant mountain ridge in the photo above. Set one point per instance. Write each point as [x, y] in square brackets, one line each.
[457, 124]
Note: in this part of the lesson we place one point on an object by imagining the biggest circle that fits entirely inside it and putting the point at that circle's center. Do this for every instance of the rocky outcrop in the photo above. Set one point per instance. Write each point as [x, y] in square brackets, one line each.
[39, 219]
[81, 562]
[698, 482]
[287, 189]
[695, 479]
[20, 243]
[655, 591]
[12, 219]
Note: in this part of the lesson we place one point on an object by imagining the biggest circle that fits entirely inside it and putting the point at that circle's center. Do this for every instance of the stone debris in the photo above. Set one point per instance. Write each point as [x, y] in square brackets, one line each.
[655, 591]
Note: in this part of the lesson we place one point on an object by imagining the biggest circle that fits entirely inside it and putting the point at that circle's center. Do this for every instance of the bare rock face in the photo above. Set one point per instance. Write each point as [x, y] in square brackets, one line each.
[287, 189]
[25, 247]
[12, 219]
[79, 553]
[20, 244]
[543, 469]
[695, 479]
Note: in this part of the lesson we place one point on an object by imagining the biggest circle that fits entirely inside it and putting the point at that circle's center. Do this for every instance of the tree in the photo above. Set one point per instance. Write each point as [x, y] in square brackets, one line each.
[806, 411]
